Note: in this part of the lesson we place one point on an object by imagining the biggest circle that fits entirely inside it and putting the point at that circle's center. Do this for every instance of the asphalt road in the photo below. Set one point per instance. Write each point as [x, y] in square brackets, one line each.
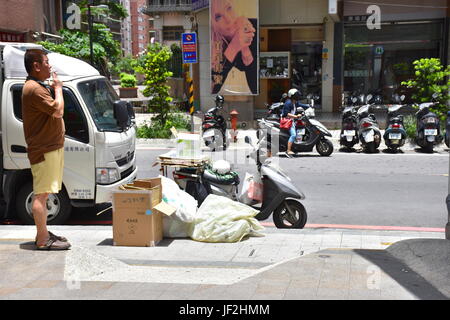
[380, 189]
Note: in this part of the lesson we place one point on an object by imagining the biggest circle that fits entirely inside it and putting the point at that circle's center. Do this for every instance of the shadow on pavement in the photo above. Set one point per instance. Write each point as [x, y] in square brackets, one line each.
[421, 266]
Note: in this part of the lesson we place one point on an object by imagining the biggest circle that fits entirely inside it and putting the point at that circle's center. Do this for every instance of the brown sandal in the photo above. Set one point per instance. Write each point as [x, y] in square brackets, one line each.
[52, 235]
[59, 238]
[54, 244]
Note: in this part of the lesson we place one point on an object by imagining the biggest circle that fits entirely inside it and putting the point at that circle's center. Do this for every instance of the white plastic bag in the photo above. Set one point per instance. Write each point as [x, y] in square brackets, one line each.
[220, 219]
[252, 189]
[178, 224]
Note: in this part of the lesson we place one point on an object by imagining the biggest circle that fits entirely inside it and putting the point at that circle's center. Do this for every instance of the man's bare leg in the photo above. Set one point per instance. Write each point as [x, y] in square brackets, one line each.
[39, 209]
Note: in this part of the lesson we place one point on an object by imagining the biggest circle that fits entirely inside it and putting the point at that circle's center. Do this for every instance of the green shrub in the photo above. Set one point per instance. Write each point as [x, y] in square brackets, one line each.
[156, 130]
[154, 66]
[410, 126]
[127, 80]
[431, 77]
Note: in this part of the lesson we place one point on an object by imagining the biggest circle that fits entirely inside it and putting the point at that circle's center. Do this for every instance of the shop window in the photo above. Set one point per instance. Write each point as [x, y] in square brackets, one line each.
[377, 61]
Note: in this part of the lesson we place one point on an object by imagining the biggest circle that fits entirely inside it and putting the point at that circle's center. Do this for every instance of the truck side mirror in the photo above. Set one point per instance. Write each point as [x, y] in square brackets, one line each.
[121, 114]
[130, 110]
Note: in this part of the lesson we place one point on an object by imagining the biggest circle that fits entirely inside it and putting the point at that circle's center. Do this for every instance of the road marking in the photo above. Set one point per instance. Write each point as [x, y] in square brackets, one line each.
[363, 227]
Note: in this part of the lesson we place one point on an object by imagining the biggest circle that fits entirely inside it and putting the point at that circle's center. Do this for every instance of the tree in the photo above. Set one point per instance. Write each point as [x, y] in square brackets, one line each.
[431, 77]
[155, 69]
[106, 50]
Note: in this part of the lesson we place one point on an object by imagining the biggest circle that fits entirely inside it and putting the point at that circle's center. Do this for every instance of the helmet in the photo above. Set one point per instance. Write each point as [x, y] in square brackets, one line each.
[294, 94]
[219, 100]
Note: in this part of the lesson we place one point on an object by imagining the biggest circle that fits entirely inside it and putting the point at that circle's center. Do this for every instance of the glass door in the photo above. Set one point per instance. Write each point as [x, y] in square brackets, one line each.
[306, 60]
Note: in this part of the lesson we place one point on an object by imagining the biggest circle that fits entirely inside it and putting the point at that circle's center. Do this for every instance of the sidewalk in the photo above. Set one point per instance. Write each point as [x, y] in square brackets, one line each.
[283, 265]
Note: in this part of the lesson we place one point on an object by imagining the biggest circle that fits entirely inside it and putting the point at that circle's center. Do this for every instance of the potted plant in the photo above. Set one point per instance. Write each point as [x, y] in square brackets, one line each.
[128, 87]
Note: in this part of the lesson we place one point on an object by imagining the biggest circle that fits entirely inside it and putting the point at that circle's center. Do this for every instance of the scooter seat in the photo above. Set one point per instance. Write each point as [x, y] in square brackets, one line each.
[226, 179]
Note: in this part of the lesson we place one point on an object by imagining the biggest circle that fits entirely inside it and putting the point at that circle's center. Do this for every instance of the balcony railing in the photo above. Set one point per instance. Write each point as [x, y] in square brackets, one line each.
[167, 6]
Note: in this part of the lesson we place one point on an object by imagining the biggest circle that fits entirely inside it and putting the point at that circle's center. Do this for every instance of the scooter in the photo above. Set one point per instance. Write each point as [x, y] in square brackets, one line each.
[349, 130]
[395, 134]
[447, 130]
[427, 127]
[214, 127]
[369, 133]
[310, 133]
[280, 198]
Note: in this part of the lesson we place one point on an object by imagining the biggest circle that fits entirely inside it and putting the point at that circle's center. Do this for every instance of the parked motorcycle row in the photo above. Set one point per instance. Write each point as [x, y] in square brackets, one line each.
[277, 195]
[359, 124]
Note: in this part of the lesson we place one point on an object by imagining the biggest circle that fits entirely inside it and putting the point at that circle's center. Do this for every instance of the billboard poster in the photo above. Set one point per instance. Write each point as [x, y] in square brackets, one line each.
[234, 41]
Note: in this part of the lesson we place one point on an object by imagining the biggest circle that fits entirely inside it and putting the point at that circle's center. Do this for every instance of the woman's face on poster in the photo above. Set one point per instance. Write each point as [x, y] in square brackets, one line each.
[223, 18]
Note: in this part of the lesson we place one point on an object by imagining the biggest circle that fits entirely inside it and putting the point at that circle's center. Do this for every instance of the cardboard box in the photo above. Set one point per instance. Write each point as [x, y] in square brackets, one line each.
[138, 212]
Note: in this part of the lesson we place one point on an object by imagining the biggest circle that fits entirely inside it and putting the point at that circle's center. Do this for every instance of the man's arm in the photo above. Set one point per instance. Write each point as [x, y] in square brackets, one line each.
[57, 85]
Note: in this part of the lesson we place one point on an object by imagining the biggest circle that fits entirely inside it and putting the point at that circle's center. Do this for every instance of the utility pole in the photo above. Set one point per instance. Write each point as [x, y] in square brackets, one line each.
[91, 49]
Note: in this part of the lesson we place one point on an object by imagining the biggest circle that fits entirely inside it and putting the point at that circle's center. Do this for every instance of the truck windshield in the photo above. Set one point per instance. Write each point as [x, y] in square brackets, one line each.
[99, 97]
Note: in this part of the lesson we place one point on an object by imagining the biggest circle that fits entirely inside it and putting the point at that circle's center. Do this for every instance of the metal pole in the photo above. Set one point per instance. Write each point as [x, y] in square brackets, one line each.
[91, 49]
[447, 200]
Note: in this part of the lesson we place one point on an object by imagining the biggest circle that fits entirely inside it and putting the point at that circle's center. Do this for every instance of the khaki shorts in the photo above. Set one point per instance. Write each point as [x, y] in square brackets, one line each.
[48, 174]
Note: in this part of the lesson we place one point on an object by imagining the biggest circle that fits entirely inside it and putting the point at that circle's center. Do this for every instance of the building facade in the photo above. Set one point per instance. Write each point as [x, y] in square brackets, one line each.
[169, 19]
[30, 21]
[335, 47]
[140, 26]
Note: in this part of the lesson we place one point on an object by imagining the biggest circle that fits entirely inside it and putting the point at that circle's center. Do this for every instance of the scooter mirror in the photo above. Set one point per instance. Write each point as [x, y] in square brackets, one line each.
[354, 99]
[369, 96]
[435, 95]
[402, 97]
[248, 140]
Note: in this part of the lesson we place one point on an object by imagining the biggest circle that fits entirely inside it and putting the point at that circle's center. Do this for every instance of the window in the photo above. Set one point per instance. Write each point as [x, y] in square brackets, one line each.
[74, 120]
[379, 60]
[172, 33]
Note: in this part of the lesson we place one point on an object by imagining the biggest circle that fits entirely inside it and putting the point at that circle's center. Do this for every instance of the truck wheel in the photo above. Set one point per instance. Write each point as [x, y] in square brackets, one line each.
[58, 206]
[290, 214]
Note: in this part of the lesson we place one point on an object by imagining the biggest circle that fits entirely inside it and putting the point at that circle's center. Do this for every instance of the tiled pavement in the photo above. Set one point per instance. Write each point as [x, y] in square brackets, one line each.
[311, 264]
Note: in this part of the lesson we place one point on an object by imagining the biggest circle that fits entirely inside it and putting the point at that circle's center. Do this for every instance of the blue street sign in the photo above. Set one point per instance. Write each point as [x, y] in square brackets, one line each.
[189, 47]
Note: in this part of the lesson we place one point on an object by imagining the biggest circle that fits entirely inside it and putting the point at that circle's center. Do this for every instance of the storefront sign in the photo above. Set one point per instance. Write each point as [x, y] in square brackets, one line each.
[11, 37]
[189, 47]
[379, 50]
[234, 47]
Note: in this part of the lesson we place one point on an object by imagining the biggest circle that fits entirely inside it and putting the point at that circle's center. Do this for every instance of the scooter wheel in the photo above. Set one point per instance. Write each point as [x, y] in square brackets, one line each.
[324, 147]
[291, 214]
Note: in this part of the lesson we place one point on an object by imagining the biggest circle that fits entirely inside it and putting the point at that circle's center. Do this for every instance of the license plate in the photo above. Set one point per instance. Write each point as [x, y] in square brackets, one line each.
[208, 134]
[430, 132]
[349, 133]
[301, 132]
[395, 136]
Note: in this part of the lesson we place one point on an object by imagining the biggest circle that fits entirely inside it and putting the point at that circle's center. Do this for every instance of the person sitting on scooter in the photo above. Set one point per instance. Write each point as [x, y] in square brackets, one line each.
[290, 110]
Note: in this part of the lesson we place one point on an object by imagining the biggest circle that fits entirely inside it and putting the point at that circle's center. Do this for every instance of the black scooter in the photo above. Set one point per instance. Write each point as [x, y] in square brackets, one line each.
[214, 127]
[310, 133]
[395, 134]
[349, 129]
[427, 127]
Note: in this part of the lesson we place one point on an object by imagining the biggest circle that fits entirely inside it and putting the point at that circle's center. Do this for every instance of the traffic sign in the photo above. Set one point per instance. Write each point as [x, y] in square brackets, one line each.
[189, 47]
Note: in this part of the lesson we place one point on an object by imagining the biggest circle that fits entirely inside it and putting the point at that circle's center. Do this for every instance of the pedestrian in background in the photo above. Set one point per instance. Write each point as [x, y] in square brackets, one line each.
[44, 131]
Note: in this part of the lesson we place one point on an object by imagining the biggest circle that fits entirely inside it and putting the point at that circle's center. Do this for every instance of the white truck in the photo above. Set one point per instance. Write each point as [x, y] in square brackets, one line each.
[100, 140]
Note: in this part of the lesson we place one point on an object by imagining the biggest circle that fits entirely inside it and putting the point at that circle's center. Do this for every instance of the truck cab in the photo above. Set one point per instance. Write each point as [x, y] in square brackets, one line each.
[100, 140]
